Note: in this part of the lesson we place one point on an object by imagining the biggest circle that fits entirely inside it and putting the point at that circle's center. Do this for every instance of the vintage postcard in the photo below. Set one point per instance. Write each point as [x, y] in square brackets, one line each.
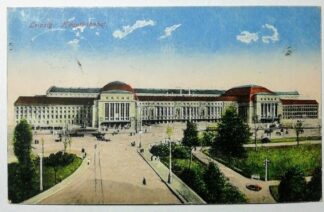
[200, 105]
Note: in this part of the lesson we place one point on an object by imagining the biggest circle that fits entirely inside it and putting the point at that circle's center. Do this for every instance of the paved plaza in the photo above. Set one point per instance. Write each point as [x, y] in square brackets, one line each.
[116, 170]
[115, 174]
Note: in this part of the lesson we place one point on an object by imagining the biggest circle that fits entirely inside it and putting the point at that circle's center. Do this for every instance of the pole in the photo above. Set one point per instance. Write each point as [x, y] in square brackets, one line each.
[41, 167]
[255, 137]
[170, 161]
[266, 162]
[266, 170]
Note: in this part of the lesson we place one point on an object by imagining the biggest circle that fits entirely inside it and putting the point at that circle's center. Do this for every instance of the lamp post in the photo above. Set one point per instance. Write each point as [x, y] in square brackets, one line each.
[169, 132]
[266, 163]
[41, 167]
[256, 129]
[170, 165]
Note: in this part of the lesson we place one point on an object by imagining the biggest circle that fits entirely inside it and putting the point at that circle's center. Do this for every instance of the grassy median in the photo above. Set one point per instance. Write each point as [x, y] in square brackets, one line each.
[306, 157]
[15, 193]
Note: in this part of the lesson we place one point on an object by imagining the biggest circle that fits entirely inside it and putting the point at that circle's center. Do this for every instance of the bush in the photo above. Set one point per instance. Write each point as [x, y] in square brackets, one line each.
[16, 189]
[292, 186]
[215, 183]
[180, 152]
[193, 178]
[232, 194]
[218, 189]
[314, 187]
[161, 150]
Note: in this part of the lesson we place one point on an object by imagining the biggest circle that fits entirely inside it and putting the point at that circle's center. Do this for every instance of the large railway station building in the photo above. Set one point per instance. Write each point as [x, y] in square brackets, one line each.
[119, 106]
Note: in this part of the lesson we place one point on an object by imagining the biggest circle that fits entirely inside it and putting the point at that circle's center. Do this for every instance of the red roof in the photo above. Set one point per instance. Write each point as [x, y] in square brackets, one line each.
[246, 93]
[227, 98]
[117, 85]
[298, 102]
[44, 100]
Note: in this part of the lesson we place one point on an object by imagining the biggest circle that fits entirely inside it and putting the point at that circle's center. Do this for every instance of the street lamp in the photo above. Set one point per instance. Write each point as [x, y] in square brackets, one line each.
[169, 132]
[41, 167]
[256, 129]
[266, 164]
[170, 165]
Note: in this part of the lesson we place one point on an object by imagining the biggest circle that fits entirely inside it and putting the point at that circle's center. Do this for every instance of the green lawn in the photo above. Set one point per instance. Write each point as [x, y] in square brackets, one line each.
[16, 194]
[62, 172]
[306, 157]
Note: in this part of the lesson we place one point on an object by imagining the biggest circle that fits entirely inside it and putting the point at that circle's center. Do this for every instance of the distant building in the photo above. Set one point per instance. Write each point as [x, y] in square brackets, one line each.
[118, 105]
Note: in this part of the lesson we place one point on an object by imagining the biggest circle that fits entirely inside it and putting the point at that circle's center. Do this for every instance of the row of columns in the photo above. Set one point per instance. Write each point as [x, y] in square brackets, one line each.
[182, 113]
[269, 110]
[117, 111]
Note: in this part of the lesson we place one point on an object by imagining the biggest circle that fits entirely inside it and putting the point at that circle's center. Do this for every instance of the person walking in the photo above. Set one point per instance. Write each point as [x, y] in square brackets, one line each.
[144, 181]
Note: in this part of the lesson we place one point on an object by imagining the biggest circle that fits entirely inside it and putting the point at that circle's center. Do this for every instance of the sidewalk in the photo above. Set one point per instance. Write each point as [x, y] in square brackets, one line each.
[283, 144]
[178, 187]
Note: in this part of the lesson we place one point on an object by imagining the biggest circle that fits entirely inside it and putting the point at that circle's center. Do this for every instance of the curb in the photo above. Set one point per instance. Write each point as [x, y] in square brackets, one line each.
[180, 197]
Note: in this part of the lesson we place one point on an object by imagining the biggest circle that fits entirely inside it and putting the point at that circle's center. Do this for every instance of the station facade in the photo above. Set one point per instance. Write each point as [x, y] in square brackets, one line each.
[119, 106]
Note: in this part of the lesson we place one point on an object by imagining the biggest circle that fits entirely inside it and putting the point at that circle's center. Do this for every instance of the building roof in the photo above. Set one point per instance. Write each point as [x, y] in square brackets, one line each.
[73, 90]
[286, 93]
[44, 100]
[178, 91]
[298, 102]
[183, 98]
[117, 86]
[245, 93]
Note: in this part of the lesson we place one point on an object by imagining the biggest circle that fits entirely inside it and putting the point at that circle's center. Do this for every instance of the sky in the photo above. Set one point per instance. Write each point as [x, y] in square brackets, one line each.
[164, 47]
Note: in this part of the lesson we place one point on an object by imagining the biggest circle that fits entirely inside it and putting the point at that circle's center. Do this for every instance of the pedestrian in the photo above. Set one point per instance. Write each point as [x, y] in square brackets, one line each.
[88, 161]
[144, 181]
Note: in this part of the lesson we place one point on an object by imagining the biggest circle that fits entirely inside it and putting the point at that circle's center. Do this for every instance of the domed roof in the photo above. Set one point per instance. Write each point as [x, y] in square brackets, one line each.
[246, 92]
[117, 86]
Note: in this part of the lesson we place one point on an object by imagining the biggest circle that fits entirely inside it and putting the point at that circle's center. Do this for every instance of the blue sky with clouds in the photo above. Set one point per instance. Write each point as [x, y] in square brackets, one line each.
[189, 30]
[164, 47]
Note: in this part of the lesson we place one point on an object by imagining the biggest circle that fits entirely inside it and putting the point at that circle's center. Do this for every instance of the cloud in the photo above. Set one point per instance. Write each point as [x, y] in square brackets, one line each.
[80, 28]
[42, 33]
[120, 34]
[168, 30]
[98, 33]
[74, 43]
[274, 37]
[247, 37]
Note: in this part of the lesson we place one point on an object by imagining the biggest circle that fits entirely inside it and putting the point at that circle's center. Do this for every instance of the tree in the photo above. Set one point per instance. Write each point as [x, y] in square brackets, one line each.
[292, 186]
[314, 187]
[52, 161]
[298, 129]
[190, 135]
[22, 142]
[161, 150]
[58, 159]
[194, 179]
[208, 138]
[215, 183]
[22, 149]
[190, 138]
[232, 133]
